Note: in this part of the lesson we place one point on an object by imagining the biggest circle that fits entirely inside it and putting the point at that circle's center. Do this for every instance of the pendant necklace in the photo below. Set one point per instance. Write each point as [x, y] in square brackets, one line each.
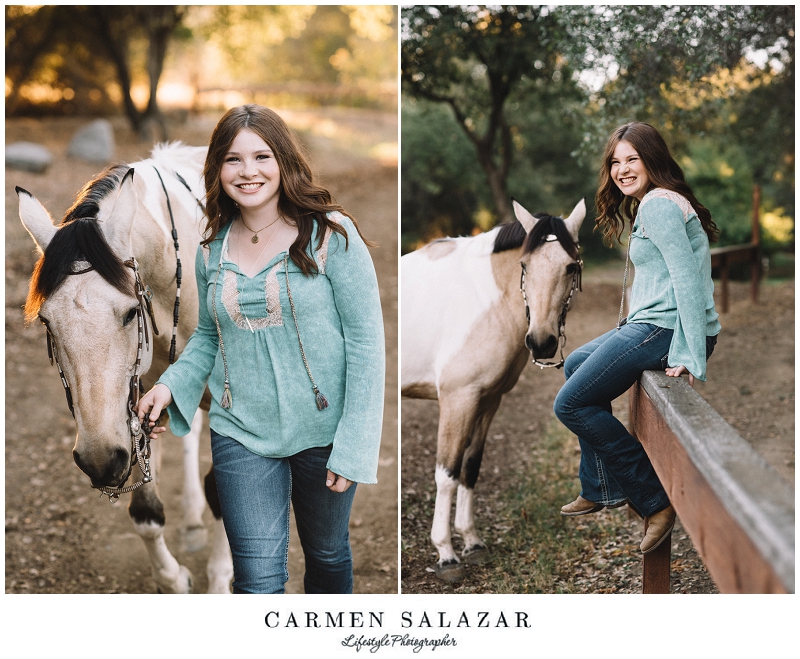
[254, 239]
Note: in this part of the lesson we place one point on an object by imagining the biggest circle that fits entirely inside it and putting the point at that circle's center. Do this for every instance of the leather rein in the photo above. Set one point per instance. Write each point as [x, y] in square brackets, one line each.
[140, 435]
[562, 318]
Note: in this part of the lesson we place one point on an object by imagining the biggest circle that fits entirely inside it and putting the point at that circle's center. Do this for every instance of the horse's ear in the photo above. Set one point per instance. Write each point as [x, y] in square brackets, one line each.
[527, 220]
[575, 218]
[35, 219]
[116, 216]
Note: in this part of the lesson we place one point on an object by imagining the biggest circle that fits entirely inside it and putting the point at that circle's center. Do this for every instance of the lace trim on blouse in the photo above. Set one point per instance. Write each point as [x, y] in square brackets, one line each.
[230, 300]
[678, 199]
[321, 256]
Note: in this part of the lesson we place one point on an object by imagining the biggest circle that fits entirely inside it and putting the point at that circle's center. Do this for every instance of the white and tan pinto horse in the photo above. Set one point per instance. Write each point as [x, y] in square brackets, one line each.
[465, 340]
[86, 297]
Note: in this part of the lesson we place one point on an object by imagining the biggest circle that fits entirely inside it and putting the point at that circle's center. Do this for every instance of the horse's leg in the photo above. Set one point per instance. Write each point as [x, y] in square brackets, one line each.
[193, 530]
[456, 421]
[147, 515]
[220, 562]
[475, 551]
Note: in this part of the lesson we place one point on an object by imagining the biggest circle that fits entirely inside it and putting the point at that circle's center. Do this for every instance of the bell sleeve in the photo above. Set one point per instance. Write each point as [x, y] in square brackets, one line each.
[356, 443]
[664, 225]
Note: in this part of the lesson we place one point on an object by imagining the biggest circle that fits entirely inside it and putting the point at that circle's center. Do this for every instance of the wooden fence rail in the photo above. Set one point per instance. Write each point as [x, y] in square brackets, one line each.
[737, 510]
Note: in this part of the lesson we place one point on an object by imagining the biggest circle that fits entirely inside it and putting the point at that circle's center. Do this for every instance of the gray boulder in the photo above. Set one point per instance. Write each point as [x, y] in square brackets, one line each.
[93, 143]
[28, 156]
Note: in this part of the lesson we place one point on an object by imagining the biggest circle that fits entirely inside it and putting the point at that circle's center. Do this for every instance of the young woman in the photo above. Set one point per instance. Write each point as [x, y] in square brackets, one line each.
[671, 325]
[290, 343]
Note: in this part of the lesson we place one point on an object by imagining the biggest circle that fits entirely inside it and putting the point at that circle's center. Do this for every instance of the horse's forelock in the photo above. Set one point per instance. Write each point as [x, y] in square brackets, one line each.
[512, 235]
[550, 225]
[79, 240]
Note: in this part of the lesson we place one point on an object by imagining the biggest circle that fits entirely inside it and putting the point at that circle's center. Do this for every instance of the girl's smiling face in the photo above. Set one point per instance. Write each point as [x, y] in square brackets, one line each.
[628, 171]
[250, 174]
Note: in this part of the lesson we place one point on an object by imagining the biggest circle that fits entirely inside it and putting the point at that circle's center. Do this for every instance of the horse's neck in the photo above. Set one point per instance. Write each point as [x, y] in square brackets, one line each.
[153, 245]
[506, 271]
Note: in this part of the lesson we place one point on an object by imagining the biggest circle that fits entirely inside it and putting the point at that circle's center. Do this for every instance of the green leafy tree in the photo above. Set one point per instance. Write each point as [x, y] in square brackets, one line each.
[472, 59]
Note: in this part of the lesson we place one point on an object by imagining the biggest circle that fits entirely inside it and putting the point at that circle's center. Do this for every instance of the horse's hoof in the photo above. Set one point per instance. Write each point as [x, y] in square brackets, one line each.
[182, 585]
[450, 572]
[194, 538]
[477, 555]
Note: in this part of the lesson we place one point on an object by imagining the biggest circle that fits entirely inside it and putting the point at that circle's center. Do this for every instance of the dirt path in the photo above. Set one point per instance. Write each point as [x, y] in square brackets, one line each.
[750, 383]
[60, 537]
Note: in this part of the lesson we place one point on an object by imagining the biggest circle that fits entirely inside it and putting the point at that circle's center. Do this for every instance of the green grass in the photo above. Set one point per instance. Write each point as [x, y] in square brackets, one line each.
[542, 552]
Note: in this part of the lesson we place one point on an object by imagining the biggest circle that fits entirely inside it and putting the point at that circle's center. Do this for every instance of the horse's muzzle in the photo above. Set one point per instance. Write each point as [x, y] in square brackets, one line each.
[112, 472]
[542, 350]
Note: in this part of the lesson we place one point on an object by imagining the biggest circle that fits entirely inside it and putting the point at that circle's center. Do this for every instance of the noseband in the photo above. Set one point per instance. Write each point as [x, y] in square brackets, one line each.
[562, 318]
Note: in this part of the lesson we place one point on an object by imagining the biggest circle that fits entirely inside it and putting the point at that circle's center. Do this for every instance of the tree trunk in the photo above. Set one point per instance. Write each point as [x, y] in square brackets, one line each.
[497, 185]
[117, 50]
[159, 23]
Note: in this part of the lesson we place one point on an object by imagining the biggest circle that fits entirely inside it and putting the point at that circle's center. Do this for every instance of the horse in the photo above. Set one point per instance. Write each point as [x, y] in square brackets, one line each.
[107, 278]
[465, 340]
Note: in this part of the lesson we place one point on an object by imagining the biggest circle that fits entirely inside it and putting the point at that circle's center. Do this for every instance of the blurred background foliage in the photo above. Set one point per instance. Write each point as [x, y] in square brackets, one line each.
[502, 102]
[148, 60]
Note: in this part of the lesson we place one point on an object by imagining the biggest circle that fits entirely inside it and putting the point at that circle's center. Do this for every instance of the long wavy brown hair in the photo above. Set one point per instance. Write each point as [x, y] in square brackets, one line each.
[300, 199]
[614, 208]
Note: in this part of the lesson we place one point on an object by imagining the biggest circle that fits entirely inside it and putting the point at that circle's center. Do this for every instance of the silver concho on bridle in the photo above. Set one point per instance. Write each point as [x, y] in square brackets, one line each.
[562, 318]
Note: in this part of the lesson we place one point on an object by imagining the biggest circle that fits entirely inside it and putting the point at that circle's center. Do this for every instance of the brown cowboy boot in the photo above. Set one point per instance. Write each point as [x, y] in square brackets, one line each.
[659, 526]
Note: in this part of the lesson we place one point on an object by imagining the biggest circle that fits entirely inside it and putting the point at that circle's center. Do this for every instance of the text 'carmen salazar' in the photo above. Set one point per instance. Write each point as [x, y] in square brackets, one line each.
[407, 619]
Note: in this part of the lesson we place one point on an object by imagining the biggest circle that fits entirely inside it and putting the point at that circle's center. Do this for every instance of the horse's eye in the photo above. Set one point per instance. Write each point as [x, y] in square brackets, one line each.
[131, 315]
[572, 268]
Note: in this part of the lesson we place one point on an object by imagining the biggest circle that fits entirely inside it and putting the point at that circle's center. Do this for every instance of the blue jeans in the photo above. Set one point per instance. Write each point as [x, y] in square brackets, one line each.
[254, 495]
[614, 466]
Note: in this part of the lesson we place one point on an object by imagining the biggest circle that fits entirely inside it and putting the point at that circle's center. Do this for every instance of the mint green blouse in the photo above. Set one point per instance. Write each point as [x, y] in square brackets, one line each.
[274, 411]
[673, 286]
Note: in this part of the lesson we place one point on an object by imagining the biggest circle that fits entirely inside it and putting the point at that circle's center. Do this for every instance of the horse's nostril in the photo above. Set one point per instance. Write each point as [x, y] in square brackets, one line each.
[542, 350]
[120, 462]
[109, 472]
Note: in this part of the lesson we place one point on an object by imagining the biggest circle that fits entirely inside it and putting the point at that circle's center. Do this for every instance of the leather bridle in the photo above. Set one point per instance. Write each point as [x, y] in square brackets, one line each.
[562, 318]
[140, 440]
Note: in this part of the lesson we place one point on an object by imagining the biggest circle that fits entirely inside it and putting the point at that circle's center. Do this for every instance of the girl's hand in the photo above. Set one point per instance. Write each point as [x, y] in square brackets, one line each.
[154, 402]
[337, 483]
[676, 371]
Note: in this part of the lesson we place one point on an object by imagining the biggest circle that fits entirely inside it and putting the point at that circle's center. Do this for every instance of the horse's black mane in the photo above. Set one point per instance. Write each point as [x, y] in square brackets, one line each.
[79, 238]
[512, 235]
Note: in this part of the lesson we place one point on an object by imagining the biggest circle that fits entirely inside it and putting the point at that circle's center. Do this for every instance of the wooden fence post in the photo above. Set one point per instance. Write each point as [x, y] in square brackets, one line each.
[755, 263]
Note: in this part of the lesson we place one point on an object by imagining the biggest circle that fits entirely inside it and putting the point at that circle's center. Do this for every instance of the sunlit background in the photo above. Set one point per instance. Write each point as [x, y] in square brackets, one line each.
[160, 64]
